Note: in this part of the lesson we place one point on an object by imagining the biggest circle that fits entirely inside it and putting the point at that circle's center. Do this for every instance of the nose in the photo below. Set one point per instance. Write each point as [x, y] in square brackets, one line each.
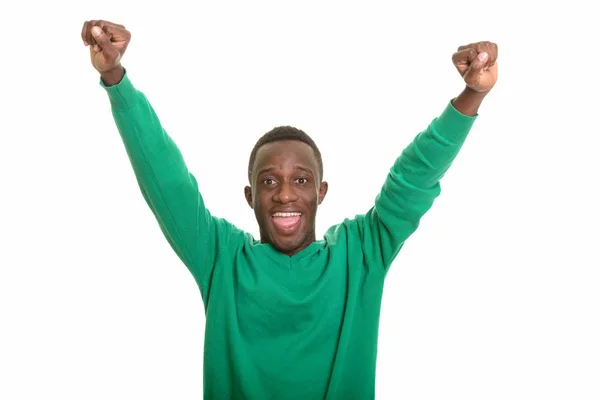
[286, 194]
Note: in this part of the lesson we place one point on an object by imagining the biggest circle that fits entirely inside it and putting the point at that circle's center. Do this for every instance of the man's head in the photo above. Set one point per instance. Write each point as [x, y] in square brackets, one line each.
[285, 172]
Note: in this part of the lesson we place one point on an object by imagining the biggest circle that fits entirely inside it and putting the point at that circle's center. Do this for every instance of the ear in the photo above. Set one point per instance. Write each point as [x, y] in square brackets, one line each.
[248, 195]
[322, 191]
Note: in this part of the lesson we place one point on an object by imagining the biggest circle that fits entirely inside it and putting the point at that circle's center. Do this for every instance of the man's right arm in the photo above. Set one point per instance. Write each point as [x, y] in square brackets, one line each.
[167, 186]
[169, 189]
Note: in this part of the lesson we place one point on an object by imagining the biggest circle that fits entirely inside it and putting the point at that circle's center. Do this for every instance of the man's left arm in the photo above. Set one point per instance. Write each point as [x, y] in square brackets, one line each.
[413, 183]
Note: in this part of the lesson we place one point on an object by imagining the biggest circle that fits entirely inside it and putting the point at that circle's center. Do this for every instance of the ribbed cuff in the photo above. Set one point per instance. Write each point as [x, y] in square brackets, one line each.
[453, 125]
[123, 95]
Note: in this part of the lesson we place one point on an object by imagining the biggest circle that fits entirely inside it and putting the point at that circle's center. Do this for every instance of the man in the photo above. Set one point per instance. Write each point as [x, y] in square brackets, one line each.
[289, 316]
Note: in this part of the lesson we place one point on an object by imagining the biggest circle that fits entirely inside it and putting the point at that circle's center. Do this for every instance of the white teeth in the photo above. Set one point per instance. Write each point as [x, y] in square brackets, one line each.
[287, 214]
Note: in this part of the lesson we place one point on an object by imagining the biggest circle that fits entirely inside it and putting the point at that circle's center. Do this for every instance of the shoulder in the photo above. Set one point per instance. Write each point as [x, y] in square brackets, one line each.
[346, 232]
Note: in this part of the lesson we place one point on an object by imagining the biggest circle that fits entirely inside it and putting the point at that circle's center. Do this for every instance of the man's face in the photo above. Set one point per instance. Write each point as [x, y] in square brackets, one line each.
[286, 190]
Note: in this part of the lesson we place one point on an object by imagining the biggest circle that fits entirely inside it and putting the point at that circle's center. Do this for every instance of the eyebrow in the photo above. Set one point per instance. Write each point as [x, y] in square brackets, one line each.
[308, 171]
[299, 167]
[262, 171]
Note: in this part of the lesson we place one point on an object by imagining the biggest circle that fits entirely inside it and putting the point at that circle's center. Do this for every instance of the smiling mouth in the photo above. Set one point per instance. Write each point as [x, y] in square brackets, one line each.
[286, 221]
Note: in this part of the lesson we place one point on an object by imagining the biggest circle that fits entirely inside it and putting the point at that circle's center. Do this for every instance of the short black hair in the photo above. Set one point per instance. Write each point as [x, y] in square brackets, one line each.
[284, 133]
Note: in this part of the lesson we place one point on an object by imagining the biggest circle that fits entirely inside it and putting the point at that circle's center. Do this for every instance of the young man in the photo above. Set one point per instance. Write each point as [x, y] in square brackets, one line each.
[289, 316]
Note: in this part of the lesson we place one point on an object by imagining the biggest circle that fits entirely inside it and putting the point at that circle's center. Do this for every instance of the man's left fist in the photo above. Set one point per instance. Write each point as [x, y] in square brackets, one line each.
[476, 63]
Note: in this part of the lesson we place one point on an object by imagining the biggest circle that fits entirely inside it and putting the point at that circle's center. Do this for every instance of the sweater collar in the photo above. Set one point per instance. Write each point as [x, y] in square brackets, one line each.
[279, 257]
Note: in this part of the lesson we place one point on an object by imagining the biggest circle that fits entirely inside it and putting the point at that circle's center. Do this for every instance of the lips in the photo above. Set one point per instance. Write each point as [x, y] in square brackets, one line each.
[286, 222]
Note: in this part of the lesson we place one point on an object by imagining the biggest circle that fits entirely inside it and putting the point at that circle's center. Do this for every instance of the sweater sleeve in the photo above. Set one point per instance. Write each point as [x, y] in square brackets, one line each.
[167, 186]
[411, 187]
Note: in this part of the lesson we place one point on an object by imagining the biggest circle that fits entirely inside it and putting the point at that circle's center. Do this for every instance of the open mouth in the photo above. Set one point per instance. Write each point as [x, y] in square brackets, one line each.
[286, 221]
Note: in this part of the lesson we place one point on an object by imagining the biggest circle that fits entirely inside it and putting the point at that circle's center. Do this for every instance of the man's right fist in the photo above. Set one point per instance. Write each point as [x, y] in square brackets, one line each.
[108, 43]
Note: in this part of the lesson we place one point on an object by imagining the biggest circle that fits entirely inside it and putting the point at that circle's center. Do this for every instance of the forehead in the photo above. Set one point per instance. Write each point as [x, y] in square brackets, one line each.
[283, 152]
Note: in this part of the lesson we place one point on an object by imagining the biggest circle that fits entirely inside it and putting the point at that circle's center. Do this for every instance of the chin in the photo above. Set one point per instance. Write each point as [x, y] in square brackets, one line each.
[287, 242]
[287, 245]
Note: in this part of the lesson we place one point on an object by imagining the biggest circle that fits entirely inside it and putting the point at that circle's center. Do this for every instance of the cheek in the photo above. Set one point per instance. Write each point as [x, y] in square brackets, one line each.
[311, 197]
[262, 201]
[314, 192]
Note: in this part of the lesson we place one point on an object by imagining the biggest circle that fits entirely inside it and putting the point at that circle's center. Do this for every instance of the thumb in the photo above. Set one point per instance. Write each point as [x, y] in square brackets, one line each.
[111, 54]
[474, 72]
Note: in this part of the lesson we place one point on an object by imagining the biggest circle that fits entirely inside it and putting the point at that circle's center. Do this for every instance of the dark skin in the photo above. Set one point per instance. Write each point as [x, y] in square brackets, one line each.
[285, 176]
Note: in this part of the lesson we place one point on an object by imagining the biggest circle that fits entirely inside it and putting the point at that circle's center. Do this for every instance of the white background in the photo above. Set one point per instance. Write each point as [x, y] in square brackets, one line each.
[495, 297]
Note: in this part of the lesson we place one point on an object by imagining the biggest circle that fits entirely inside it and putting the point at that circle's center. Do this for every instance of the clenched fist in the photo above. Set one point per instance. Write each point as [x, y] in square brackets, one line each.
[476, 63]
[107, 42]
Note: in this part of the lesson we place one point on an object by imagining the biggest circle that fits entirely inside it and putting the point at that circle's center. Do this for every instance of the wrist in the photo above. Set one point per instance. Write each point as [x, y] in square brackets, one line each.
[468, 101]
[113, 76]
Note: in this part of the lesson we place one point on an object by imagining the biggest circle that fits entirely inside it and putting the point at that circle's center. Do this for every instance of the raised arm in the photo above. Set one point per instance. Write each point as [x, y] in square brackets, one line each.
[414, 180]
[169, 189]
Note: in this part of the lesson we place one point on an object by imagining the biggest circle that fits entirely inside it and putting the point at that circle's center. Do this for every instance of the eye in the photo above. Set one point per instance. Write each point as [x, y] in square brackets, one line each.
[302, 181]
[268, 181]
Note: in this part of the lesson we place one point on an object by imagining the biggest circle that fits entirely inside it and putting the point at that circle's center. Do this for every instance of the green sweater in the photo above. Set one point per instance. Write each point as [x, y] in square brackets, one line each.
[281, 327]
